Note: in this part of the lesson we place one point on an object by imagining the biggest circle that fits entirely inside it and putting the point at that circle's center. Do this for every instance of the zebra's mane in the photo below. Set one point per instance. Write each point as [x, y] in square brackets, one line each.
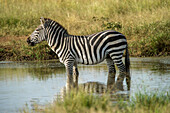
[50, 21]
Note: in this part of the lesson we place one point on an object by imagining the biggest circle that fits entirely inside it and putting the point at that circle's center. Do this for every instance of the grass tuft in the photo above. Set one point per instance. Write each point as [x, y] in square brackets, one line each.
[92, 103]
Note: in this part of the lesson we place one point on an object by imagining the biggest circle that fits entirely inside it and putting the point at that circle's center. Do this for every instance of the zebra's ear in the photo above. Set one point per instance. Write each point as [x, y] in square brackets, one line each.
[42, 20]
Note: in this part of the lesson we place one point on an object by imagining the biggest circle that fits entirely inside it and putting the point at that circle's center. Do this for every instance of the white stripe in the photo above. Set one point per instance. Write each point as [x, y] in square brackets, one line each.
[117, 48]
[62, 49]
[93, 57]
[52, 37]
[59, 42]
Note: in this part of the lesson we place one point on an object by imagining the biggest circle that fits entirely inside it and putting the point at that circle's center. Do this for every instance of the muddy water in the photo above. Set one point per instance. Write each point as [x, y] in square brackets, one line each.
[25, 83]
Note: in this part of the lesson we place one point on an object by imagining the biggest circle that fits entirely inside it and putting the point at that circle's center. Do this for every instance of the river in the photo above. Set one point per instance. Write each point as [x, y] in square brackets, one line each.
[26, 83]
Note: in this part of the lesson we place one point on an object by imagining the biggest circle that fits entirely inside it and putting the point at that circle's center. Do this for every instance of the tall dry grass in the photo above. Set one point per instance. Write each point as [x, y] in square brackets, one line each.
[20, 17]
[145, 23]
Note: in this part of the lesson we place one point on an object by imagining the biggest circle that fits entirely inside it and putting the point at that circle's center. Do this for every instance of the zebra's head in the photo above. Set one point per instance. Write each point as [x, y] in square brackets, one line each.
[38, 35]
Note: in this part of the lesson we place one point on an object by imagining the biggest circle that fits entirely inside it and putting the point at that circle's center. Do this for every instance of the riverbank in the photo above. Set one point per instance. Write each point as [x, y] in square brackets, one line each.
[145, 24]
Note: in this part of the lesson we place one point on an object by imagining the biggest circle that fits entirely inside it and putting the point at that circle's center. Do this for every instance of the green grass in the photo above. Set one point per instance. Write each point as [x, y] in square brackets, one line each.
[145, 23]
[153, 40]
[82, 102]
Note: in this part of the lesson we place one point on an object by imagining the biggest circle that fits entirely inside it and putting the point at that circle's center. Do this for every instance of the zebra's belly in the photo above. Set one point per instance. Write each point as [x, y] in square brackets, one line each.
[88, 62]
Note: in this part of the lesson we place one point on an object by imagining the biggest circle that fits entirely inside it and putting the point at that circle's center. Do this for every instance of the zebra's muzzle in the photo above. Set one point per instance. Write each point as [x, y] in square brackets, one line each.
[29, 42]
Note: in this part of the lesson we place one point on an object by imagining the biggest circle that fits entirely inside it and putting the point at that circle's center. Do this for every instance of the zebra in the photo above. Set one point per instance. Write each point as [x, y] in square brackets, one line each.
[88, 50]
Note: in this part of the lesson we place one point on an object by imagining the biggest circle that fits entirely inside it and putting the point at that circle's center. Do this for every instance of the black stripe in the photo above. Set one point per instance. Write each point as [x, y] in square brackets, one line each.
[79, 49]
[61, 42]
[95, 52]
[117, 45]
[89, 47]
[117, 59]
[117, 54]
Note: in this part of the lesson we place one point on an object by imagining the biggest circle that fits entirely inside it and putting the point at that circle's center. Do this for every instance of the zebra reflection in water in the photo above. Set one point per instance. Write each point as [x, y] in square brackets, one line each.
[89, 50]
[98, 88]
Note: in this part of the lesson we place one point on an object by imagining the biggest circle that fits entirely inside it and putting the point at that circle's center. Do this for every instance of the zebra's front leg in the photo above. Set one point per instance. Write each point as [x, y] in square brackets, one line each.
[111, 73]
[75, 75]
[69, 71]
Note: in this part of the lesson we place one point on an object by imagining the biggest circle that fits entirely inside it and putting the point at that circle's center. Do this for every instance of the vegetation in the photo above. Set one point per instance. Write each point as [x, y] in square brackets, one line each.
[17, 49]
[83, 102]
[145, 23]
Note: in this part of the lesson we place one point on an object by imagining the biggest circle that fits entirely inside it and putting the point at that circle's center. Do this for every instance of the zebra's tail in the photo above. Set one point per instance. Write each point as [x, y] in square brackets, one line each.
[127, 65]
[127, 60]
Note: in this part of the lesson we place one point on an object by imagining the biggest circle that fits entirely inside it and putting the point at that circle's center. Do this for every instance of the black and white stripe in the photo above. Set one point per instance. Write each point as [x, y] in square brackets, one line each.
[89, 50]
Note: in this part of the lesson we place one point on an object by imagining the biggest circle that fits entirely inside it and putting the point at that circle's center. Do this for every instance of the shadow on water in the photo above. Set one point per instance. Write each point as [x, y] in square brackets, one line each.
[40, 82]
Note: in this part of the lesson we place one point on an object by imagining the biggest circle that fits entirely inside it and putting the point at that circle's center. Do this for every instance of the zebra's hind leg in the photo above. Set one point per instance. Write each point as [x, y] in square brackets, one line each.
[128, 80]
[122, 73]
[75, 75]
[111, 73]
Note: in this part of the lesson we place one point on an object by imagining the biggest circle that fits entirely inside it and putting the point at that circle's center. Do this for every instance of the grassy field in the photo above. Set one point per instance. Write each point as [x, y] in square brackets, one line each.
[145, 23]
[83, 102]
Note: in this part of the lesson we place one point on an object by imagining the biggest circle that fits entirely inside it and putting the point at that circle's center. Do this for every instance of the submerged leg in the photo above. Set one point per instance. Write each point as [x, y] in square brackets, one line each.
[69, 71]
[75, 75]
[122, 73]
[111, 73]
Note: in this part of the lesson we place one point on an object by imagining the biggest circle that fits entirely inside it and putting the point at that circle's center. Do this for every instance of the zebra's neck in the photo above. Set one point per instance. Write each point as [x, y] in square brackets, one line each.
[55, 33]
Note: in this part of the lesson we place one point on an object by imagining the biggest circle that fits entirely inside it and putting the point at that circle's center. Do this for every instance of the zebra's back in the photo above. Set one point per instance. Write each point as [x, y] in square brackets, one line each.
[94, 48]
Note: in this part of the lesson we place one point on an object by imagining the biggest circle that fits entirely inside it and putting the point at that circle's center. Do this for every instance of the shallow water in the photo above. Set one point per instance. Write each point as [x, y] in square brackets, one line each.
[25, 83]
